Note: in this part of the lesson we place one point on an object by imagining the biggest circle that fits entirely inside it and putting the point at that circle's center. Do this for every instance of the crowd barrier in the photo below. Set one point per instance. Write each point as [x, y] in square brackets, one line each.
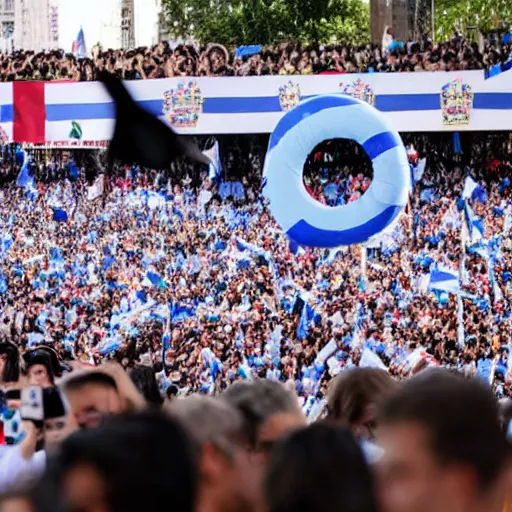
[81, 114]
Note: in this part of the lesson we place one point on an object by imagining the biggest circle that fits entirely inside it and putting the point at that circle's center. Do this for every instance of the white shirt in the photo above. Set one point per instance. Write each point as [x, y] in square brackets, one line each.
[17, 472]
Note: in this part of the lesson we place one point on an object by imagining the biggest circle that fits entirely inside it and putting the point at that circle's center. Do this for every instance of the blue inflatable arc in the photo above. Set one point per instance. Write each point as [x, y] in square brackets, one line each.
[305, 220]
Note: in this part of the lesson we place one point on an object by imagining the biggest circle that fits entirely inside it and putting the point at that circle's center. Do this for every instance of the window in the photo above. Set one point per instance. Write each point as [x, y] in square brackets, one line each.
[9, 5]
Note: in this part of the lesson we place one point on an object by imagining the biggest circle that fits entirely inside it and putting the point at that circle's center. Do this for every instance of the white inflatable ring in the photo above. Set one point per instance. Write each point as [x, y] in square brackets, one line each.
[305, 220]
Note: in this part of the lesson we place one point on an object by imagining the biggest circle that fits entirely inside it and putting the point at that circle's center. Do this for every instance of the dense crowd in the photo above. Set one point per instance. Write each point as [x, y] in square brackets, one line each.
[162, 343]
[196, 271]
[164, 61]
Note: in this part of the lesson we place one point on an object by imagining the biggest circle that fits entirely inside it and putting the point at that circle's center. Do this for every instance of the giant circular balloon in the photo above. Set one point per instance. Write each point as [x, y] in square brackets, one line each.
[305, 220]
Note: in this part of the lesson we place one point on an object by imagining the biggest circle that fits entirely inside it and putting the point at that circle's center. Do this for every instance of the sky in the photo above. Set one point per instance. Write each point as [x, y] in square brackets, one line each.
[90, 14]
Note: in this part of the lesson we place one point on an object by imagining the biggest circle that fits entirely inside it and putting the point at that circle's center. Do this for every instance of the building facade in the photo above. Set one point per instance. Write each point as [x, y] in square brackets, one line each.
[127, 24]
[36, 24]
[6, 25]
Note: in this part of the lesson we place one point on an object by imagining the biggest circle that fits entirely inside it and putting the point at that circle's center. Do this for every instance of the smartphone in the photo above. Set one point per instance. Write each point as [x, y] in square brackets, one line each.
[32, 404]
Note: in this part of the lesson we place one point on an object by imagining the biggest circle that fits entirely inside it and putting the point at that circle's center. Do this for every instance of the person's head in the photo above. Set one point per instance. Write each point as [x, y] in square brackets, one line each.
[229, 481]
[133, 462]
[9, 363]
[40, 367]
[171, 393]
[92, 395]
[145, 381]
[353, 397]
[269, 409]
[319, 468]
[444, 448]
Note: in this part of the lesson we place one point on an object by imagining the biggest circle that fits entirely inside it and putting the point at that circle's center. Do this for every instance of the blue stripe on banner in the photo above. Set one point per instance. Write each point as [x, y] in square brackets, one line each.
[493, 100]
[303, 111]
[80, 111]
[265, 104]
[6, 113]
[407, 102]
[381, 143]
[305, 234]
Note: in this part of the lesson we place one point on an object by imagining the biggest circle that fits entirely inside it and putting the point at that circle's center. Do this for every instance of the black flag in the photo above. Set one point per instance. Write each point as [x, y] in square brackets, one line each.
[141, 138]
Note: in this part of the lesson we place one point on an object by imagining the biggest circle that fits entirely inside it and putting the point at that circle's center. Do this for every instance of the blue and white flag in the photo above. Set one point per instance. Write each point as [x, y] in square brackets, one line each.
[444, 279]
[474, 224]
[470, 185]
[427, 195]
[307, 316]
[254, 249]
[497, 69]
[370, 359]
[215, 166]
[79, 47]
[25, 178]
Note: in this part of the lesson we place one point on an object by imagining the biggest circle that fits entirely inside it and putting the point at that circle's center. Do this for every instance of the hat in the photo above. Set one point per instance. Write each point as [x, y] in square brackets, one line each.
[140, 137]
[45, 356]
[12, 363]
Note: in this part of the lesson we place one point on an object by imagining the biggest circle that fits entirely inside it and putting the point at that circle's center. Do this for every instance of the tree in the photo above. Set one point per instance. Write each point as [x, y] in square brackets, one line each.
[235, 22]
[458, 15]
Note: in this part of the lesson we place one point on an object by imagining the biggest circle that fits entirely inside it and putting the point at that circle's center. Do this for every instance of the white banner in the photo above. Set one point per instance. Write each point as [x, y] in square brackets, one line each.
[81, 114]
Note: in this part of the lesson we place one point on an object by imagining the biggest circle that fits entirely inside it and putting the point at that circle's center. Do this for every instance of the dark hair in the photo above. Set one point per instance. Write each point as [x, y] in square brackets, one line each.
[172, 391]
[353, 390]
[145, 381]
[142, 458]
[319, 469]
[74, 382]
[258, 400]
[53, 404]
[460, 415]
[11, 371]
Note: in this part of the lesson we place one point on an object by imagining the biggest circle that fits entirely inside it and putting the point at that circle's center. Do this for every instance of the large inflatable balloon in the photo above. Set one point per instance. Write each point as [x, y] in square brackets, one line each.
[305, 220]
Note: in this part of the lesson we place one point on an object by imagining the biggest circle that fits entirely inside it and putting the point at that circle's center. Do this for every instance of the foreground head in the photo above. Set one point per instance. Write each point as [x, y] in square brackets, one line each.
[319, 469]
[354, 396]
[229, 481]
[444, 449]
[92, 395]
[269, 409]
[133, 462]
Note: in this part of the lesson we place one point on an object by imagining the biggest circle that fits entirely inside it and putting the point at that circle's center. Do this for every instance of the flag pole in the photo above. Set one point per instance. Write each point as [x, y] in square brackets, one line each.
[460, 303]
[364, 262]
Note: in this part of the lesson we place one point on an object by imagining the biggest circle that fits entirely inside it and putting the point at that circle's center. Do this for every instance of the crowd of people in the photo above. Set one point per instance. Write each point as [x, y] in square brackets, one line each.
[164, 60]
[193, 278]
[162, 341]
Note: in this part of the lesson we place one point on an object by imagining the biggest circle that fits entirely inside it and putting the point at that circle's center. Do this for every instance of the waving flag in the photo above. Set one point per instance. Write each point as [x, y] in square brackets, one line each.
[60, 215]
[444, 279]
[213, 154]
[252, 248]
[25, 178]
[79, 48]
[470, 185]
[473, 224]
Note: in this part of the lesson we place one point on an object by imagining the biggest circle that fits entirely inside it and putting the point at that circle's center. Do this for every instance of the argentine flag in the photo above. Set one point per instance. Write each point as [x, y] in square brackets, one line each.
[474, 224]
[444, 279]
[215, 167]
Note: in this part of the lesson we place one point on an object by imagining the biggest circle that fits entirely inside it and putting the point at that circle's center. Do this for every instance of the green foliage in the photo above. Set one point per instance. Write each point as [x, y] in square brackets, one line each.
[236, 22]
[461, 15]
